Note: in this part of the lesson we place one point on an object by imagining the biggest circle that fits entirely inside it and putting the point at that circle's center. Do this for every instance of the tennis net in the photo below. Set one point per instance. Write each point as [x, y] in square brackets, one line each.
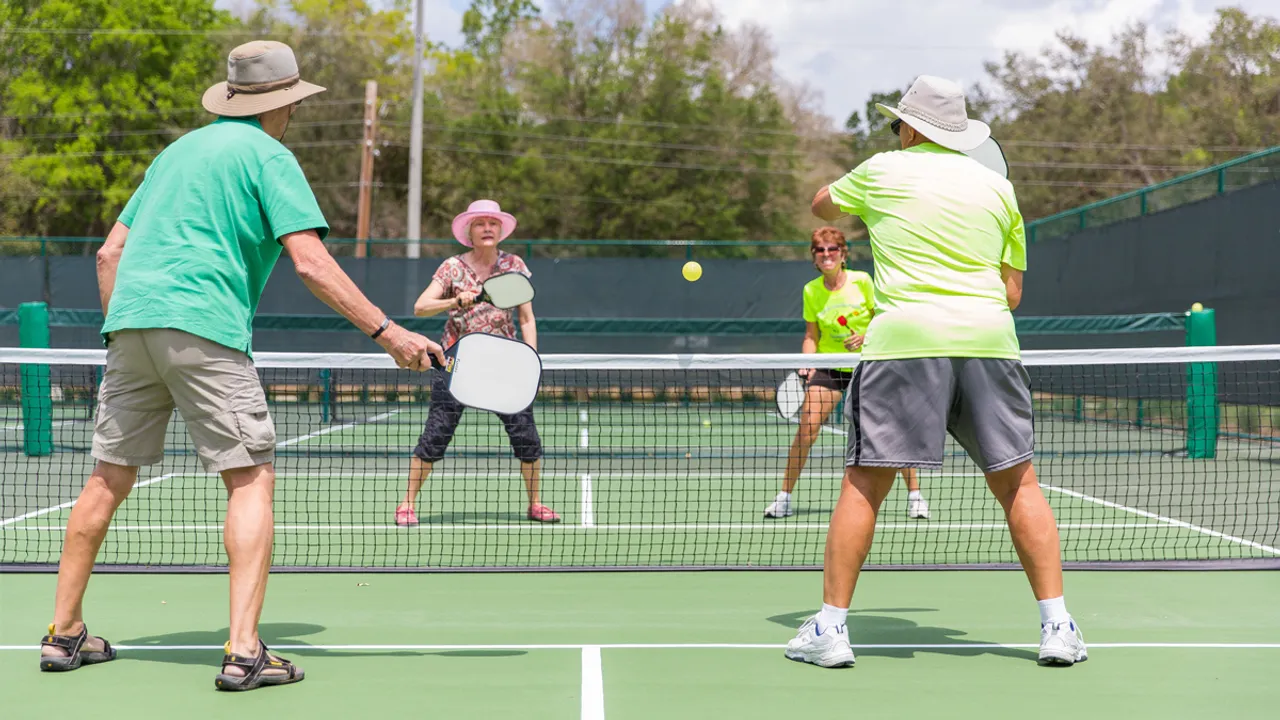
[1151, 456]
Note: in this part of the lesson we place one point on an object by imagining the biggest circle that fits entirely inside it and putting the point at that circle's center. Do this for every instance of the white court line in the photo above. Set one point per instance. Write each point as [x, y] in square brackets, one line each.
[1163, 519]
[166, 476]
[588, 523]
[588, 513]
[698, 646]
[592, 684]
[339, 428]
[71, 503]
[57, 423]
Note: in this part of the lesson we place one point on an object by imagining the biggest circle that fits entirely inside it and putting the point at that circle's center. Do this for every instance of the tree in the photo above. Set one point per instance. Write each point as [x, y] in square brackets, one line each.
[92, 99]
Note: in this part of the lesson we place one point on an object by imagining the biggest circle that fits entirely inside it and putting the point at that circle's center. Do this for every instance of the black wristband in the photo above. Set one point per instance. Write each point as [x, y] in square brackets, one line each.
[386, 323]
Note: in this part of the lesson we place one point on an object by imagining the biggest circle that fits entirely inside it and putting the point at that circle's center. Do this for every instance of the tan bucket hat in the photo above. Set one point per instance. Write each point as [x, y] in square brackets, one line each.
[261, 75]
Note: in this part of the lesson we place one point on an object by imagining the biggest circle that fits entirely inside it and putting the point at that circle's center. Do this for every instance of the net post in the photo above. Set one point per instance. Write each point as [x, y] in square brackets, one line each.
[326, 394]
[37, 391]
[1202, 389]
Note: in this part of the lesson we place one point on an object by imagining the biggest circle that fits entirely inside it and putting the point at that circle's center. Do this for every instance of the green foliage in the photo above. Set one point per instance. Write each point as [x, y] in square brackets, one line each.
[90, 109]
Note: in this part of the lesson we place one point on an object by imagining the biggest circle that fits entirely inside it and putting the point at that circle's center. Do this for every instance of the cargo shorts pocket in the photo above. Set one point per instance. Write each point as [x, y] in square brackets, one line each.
[257, 431]
[236, 439]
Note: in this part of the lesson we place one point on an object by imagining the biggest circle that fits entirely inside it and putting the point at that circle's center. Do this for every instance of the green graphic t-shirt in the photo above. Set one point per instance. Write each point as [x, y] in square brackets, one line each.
[941, 226]
[839, 313]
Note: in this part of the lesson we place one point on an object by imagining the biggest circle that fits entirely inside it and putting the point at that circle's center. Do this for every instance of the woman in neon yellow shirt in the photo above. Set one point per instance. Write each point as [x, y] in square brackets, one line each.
[838, 307]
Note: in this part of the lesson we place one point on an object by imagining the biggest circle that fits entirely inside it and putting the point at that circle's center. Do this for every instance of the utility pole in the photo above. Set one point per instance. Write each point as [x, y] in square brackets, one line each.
[366, 168]
[415, 138]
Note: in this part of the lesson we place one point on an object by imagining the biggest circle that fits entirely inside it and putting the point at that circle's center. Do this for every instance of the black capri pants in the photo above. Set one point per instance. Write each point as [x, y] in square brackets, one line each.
[442, 422]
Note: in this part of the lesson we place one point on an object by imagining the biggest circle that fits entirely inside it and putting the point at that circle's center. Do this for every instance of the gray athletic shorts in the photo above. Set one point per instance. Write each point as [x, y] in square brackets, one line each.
[900, 412]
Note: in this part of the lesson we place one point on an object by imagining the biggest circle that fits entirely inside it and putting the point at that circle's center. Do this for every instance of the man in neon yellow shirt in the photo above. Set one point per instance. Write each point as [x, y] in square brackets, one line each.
[941, 355]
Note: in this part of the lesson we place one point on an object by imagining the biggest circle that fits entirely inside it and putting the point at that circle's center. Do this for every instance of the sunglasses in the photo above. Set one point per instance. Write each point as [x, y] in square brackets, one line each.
[896, 126]
[826, 250]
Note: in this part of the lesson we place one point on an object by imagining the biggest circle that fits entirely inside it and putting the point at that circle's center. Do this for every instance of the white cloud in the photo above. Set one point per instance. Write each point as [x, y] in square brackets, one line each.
[850, 49]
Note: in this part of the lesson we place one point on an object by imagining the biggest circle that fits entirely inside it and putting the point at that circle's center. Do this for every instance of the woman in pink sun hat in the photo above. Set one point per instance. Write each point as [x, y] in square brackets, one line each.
[454, 289]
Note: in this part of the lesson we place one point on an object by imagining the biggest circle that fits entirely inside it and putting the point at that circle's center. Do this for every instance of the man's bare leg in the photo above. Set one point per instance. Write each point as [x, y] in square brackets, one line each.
[852, 528]
[106, 489]
[248, 536]
[1032, 525]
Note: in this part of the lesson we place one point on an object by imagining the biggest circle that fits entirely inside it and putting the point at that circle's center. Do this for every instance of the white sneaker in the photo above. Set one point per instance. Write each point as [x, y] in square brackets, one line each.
[1062, 644]
[779, 508]
[829, 648]
[918, 509]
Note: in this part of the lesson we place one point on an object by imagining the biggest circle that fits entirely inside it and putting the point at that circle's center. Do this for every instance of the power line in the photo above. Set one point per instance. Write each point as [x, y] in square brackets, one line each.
[602, 161]
[1125, 146]
[78, 193]
[827, 136]
[311, 102]
[123, 153]
[608, 141]
[192, 33]
[170, 131]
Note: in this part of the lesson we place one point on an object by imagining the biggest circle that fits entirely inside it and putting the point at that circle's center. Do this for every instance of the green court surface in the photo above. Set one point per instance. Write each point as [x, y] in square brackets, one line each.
[659, 645]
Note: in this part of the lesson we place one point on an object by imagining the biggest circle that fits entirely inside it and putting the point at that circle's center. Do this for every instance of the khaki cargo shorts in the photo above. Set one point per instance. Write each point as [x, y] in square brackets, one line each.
[216, 390]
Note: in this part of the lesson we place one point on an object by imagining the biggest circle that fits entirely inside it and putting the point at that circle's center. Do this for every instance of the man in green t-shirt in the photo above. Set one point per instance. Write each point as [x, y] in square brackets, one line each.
[180, 276]
[940, 356]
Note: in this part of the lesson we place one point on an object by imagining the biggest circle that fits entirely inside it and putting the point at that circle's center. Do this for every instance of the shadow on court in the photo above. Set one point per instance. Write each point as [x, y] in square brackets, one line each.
[883, 628]
[273, 634]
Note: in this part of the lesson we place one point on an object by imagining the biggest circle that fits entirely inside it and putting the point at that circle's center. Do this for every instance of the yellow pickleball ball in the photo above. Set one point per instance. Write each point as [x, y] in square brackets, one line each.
[691, 271]
[1197, 307]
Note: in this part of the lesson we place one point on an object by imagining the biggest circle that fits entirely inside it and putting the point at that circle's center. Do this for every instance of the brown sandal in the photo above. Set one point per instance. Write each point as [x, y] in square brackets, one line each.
[76, 654]
[253, 667]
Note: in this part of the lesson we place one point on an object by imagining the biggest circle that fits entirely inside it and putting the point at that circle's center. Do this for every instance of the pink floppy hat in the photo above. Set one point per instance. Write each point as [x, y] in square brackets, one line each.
[479, 209]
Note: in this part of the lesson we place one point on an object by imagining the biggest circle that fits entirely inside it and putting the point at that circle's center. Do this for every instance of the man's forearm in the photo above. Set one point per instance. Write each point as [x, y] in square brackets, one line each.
[326, 280]
[107, 281]
[108, 261]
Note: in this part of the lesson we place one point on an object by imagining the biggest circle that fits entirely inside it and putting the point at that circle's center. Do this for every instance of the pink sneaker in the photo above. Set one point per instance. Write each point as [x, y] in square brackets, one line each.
[406, 517]
[542, 513]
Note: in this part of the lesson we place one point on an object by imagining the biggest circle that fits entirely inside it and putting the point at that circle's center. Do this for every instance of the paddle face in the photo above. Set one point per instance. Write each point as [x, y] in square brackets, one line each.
[790, 397]
[991, 154]
[490, 372]
[507, 290]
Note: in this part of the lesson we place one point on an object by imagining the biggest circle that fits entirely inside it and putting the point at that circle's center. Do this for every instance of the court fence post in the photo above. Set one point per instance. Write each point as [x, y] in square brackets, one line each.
[1202, 389]
[37, 391]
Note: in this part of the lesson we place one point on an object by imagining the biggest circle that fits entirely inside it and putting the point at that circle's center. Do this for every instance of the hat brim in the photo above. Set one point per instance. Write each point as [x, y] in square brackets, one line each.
[968, 139]
[249, 104]
[462, 225]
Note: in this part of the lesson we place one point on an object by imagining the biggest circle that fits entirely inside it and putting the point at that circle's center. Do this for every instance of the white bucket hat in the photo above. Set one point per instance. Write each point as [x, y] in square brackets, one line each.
[261, 75]
[935, 107]
[479, 209]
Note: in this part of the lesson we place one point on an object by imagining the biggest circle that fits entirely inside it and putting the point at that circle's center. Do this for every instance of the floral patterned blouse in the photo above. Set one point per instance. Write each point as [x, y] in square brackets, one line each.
[455, 276]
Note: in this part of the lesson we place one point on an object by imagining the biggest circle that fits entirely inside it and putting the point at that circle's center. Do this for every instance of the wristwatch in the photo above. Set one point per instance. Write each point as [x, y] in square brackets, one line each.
[386, 323]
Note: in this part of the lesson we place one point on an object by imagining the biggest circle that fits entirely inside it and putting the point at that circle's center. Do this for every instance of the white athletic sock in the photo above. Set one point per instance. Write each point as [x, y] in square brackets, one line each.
[832, 616]
[915, 495]
[784, 495]
[1053, 610]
